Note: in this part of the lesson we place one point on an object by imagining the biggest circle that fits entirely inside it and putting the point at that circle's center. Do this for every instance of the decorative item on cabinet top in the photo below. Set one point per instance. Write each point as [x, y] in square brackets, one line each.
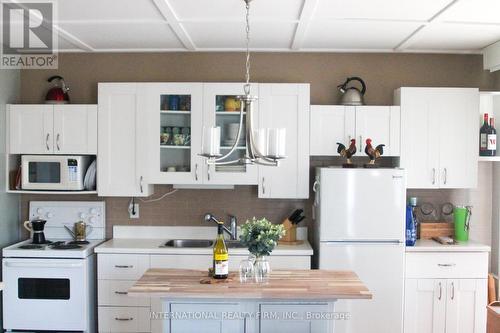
[352, 95]
[58, 94]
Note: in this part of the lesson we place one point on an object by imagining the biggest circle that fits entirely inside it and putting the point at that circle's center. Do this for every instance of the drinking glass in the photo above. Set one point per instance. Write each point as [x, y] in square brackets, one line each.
[246, 270]
[262, 270]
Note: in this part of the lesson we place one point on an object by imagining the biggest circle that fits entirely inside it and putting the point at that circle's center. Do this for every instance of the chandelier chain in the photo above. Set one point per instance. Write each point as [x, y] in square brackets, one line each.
[247, 62]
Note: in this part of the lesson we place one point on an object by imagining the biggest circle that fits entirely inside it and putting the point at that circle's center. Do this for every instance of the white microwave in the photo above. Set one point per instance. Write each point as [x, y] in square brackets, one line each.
[53, 172]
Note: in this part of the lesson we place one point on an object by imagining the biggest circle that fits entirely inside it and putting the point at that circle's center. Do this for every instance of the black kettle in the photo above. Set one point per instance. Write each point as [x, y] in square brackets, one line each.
[352, 95]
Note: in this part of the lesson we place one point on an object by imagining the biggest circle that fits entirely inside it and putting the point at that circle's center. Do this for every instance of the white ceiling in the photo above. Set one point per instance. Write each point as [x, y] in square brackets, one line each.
[456, 26]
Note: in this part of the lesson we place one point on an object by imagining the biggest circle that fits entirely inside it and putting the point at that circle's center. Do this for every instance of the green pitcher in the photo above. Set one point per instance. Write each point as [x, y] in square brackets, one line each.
[461, 219]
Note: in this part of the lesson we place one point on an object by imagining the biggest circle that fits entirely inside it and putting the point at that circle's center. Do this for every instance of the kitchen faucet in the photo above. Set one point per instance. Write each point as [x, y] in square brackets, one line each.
[233, 231]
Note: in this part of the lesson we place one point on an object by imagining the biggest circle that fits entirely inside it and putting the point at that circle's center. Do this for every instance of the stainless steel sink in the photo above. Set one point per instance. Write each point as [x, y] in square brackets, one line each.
[231, 244]
[189, 243]
[200, 243]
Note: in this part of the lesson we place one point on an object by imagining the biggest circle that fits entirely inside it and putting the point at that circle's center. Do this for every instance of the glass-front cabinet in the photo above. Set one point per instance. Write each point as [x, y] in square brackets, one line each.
[175, 114]
[221, 108]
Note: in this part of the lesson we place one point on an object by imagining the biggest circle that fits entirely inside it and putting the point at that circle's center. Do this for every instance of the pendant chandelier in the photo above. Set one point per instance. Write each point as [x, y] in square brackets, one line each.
[264, 146]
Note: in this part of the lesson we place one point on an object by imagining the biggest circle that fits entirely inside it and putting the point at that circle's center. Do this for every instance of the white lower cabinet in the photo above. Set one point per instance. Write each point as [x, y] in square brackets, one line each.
[120, 313]
[446, 304]
[124, 319]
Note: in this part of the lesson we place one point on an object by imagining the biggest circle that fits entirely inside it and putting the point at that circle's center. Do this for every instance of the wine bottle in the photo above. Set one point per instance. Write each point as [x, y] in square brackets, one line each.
[221, 256]
[483, 137]
[492, 138]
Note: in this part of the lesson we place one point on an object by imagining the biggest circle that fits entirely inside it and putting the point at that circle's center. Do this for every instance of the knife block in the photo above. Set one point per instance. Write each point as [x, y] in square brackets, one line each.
[290, 237]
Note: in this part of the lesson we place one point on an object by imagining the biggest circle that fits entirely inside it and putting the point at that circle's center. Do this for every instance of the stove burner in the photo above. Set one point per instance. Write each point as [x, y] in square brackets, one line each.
[79, 242]
[31, 247]
[65, 246]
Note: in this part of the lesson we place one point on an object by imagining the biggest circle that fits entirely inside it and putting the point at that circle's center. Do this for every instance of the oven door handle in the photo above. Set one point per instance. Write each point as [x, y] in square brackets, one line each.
[43, 265]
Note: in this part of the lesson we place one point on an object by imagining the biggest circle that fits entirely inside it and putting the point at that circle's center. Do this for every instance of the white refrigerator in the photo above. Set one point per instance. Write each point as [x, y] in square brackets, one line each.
[361, 227]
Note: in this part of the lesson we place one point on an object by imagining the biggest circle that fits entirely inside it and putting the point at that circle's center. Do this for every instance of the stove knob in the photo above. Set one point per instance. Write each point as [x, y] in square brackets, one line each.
[92, 220]
[93, 211]
[39, 211]
[83, 215]
[50, 215]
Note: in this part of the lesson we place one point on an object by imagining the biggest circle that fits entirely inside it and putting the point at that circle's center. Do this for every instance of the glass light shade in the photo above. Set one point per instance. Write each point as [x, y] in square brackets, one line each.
[276, 142]
[211, 141]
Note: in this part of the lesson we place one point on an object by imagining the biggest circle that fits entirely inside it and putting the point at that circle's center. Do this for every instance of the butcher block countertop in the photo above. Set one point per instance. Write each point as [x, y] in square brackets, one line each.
[293, 284]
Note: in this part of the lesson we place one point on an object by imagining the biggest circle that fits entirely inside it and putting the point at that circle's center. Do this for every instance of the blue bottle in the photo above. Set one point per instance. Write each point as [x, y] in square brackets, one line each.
[411, 227]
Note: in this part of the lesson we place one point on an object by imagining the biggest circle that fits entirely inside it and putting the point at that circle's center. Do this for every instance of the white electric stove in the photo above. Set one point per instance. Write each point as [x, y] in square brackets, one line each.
[51, 287]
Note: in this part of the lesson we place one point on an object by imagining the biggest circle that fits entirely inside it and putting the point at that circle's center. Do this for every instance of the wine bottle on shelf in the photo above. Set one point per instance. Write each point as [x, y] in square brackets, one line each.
[483, 137]
[492, 138]
[221, 256]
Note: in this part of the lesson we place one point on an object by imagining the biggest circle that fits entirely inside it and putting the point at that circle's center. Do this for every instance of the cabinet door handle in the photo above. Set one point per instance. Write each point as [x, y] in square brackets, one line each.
[121, 292]
[452, 291]
[360, 143]
[208, 172]
[124, 266]
[263, 185]
[58, 136]
[433, 176]
[445, 176]
[124, 319]
[440, 291]
[196, 172]
[140, 184]
[446, 265]
[47, 141]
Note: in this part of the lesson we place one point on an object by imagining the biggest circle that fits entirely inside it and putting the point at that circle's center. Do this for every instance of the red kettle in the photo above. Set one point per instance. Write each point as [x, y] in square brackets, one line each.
[58, 94]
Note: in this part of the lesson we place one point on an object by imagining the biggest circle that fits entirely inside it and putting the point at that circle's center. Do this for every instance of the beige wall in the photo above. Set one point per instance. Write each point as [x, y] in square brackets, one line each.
[382, 73]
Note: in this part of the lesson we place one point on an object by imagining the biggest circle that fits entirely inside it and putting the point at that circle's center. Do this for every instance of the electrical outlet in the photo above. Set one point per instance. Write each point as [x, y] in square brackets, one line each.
[133, 210]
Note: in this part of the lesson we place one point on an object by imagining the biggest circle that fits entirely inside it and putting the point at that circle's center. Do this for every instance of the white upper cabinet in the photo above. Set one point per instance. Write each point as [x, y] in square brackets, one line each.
[122, 160]
[221, 109]
[75, 129]
[382, 125]
[52, 129]
[286, 106]
[331, 124]
[338, 123]
[31, 129]
[439, 136]
[173, 113]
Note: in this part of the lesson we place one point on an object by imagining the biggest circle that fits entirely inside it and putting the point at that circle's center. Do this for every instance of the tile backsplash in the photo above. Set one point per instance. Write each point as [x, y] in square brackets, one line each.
[186, 207]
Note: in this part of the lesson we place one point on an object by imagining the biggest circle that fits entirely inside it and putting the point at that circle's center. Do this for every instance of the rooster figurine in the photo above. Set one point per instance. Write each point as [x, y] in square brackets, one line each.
[373, 153]
[347, 153]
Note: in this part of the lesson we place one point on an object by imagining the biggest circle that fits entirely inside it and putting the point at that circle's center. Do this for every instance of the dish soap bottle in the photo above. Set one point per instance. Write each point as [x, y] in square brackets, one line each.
[221, 256]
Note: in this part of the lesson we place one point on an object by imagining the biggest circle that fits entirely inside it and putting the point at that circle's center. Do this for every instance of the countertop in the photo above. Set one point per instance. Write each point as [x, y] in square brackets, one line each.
[296, 285]
[152, 246]
[428, 245]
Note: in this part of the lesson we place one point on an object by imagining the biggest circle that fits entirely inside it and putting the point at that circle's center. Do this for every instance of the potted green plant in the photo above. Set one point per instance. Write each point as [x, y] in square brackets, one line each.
[261, 237]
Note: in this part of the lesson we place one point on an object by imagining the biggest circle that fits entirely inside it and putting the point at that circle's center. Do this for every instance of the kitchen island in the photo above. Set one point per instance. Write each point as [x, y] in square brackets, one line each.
[292, 301]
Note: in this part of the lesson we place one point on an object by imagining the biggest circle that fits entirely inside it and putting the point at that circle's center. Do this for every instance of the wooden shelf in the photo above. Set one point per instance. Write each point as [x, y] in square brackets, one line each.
[489, 159]
[50, 192]
[174, 112]
[174, 147]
